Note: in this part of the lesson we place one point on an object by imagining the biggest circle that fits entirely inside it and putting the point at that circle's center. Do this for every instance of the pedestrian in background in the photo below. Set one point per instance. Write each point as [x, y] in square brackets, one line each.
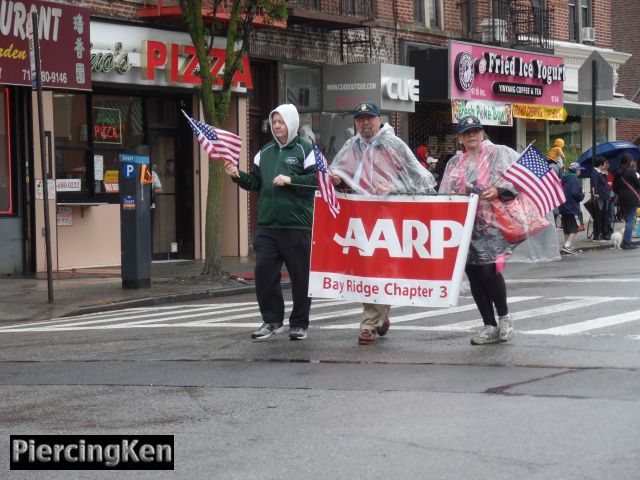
[284, 173]
[477, 169]
[376, 162]
[570, 209]
[626, 185]
[600, 197]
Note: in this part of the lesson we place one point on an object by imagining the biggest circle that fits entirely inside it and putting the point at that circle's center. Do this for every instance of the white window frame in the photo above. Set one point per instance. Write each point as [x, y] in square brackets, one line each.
[426, 5]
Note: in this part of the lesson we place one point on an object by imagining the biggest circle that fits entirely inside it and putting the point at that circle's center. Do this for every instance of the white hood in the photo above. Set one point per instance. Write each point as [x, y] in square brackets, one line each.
[291, 119]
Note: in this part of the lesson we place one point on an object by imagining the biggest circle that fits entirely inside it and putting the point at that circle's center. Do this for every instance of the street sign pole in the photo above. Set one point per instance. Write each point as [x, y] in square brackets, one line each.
[594, 90]
[36, 84]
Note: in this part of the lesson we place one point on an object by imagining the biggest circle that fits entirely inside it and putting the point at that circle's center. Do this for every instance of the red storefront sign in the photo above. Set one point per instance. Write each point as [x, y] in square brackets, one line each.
[480, 72]
[181, 63]
[63, 31]
[399, 250]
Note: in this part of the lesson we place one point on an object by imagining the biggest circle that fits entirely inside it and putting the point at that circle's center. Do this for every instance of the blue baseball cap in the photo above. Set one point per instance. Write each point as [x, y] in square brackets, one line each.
[467, 123]
[366, 109]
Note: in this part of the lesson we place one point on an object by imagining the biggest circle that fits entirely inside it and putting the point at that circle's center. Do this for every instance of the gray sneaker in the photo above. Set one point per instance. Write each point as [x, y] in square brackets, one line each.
[297, 333]
[268, 329]
[506, 328]
[488, 334]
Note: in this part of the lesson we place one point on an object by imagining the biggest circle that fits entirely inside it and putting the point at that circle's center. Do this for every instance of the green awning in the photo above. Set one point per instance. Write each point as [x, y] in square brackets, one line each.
[617, 107]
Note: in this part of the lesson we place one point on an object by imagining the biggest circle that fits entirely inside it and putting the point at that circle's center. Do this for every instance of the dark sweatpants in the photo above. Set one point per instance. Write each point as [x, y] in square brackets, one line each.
[273, 247]
[488, 289]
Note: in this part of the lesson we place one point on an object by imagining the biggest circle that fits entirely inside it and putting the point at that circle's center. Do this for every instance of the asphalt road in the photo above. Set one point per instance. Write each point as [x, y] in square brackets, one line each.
[560, 401]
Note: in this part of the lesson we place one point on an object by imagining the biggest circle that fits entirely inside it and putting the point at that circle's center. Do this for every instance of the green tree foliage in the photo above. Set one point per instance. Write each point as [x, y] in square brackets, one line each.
[202, 23]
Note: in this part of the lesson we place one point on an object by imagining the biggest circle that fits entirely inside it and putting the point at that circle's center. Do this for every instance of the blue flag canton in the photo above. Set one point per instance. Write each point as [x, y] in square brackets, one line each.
[319, 160]
[208, 131]
[535, 162]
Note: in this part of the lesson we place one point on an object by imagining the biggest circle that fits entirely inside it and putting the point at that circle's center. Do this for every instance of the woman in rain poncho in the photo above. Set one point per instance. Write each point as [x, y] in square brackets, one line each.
[478, 169]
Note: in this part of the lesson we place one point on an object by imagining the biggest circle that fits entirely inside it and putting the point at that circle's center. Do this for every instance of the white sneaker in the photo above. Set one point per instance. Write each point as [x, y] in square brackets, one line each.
[506, 328]
[488, 334]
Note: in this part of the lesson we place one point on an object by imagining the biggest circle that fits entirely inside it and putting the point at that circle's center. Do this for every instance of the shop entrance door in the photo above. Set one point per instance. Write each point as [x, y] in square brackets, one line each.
[172, 162]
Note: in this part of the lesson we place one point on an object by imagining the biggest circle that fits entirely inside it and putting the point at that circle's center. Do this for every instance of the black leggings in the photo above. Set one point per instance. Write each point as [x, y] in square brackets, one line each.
[488, 289]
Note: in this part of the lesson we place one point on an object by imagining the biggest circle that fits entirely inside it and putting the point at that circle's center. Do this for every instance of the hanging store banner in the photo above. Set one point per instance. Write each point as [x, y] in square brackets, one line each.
[396, 250]
[63, 31]
[480, 72]
[539, 112]
[489, 113]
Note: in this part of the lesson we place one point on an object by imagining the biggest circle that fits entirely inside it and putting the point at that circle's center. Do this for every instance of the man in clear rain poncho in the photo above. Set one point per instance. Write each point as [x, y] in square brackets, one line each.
[376, 162]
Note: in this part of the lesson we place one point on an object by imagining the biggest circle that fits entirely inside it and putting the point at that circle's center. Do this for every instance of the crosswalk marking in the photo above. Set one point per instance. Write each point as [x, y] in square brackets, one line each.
[433, 313]
[596, 323]
[329, 314]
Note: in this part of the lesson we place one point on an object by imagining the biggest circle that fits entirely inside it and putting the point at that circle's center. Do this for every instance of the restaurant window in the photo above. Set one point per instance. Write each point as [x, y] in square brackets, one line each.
[89, 136]
[545, 133]
[117, 127]
[6, 179]
[72, 145]
[571, 132]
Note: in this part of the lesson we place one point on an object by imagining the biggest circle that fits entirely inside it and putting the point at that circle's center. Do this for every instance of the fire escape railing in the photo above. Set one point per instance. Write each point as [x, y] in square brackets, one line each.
[362, 9]
[508, 23]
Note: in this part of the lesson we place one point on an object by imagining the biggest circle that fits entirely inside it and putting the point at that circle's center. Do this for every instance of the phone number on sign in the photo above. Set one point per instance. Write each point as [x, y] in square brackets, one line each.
[47, 76]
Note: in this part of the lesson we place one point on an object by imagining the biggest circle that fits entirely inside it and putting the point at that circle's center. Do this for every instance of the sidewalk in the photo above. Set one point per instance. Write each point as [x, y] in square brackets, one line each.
[100, 289]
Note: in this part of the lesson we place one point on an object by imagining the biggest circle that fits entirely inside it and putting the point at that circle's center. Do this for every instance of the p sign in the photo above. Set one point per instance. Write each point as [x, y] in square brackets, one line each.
[128, 170]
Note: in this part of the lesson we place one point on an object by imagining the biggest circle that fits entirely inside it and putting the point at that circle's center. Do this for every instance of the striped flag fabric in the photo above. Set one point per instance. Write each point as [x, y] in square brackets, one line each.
[532, 175]
[325, 186]
[218, 143]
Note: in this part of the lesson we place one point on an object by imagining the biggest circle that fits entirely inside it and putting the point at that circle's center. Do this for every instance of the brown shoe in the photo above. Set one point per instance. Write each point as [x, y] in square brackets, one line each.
[382, 331]
[366, 337]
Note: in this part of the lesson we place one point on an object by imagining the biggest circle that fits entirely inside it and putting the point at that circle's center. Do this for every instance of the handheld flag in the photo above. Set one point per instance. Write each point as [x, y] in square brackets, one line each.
[218, 143]
[533, 177]
[327, 191]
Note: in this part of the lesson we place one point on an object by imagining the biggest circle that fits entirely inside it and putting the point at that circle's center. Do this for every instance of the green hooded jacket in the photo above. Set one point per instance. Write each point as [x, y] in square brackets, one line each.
[290, 206]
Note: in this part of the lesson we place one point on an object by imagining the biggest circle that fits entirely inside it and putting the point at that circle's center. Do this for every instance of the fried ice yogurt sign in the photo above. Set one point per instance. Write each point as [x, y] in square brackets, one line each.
[401, 250]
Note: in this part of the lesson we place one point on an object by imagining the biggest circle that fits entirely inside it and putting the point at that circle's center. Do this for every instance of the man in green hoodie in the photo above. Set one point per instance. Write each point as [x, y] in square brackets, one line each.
[284, 173]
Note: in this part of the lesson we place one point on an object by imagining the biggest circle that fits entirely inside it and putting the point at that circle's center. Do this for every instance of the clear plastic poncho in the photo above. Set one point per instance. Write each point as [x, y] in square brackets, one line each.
[383, 165]
[465, 174]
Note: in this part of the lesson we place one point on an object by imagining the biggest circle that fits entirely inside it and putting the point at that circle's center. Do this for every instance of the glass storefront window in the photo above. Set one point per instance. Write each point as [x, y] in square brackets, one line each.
[6, 204]
[602, 130]
[71, 140]
[303, 87]
[537, 130]
[571, 132]
[117, 126]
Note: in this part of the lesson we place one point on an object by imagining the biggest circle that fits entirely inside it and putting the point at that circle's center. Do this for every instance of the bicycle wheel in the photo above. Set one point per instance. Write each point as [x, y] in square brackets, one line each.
[590, 229]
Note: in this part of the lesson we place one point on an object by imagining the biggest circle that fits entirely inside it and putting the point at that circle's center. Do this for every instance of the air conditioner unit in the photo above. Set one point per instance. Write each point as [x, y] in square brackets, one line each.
[588, 34]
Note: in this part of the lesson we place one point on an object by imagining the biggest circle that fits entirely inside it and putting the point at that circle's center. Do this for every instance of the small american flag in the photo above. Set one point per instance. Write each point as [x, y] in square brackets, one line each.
[533, 177]
[218, 143]
[327, 191]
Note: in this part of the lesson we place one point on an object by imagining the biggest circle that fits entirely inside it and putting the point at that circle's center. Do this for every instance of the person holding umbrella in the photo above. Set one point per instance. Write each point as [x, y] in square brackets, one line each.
[626, 186]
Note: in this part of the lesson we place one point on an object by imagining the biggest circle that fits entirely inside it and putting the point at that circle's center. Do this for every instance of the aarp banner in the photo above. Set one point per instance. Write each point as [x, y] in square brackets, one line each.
[400, 250]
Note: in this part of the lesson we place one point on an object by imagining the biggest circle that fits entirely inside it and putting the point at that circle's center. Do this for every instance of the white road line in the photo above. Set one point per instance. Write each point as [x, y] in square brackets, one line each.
[431, 313]
[572, 280]
[228, 317]
[107, 318]
[593, 324]
[531, 313]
